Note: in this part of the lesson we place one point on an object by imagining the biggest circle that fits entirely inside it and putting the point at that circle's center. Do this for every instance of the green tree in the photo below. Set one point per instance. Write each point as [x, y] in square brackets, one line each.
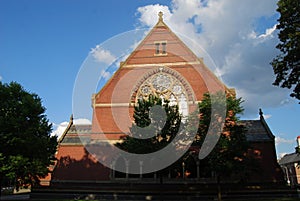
[156, 119]
[162, 130]
[286, 65]
[229, 156]
[26, 147]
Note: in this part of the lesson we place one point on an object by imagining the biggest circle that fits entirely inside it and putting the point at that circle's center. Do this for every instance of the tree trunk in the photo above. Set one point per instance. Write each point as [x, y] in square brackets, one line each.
[219, 188]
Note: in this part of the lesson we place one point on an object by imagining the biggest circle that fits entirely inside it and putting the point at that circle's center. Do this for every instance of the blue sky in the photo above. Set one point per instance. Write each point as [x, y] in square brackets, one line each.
[43, 44]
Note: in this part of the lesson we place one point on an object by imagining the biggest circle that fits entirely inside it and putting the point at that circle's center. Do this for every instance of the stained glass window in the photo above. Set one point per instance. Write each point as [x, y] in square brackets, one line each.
[167, 87]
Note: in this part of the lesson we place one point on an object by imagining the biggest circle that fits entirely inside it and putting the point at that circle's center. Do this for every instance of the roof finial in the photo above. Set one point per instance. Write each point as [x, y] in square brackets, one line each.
[71, 119]
[261, 113]
[160, 15]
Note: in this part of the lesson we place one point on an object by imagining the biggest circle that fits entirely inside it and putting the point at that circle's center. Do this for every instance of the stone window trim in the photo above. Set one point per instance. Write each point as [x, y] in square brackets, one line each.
[160, 48]
[165, 84]
[172, 73]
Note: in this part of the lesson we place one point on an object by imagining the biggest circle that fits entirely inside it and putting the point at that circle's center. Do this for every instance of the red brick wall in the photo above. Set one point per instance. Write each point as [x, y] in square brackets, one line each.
[74, 163]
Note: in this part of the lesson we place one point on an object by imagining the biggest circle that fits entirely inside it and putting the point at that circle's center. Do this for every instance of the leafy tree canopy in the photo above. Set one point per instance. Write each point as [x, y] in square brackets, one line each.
[230, 153]
[286, 65]
[26, 147]
[162, 130]
[229, 156]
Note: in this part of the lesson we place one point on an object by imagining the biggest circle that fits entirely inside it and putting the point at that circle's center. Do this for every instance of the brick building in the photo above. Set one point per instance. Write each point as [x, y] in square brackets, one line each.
[162, 65]
[290, 166]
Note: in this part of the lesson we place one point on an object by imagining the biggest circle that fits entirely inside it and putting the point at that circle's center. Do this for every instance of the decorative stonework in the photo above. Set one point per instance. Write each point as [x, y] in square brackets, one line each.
[166, 84]
[171, 76]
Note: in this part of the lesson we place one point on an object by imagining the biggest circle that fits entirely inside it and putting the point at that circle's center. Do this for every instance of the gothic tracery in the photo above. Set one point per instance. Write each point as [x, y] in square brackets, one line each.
[167, 87]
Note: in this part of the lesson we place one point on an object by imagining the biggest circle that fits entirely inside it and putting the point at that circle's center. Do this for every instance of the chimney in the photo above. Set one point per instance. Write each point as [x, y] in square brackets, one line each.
[298, 141]
[298, 145]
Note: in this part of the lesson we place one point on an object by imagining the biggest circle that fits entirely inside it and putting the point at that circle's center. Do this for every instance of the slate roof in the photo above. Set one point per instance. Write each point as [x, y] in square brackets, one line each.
[257, 130]
[289, 158]
[71, 134]
[82, 128]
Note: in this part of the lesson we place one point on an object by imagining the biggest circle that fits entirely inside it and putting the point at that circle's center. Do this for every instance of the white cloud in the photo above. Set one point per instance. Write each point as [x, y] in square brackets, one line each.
[82, 121]
[280, 141]
[105, 74]
[147, 12]
[1, 78]
[284, 146]
[280, 155]
[102, 55]
[61, 127]
[227, 31]
[269, 32]
[266, 116]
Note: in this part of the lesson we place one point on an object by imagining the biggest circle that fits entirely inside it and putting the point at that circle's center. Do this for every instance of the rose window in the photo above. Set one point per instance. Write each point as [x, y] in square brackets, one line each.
[167, 87]
[161, 82]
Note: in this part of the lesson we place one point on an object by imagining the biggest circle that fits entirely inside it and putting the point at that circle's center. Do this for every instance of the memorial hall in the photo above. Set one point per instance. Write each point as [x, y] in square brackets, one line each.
[164, 66]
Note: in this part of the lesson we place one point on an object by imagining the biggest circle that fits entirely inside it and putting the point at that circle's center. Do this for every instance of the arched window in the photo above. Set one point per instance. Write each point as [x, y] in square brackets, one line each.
[167, 87]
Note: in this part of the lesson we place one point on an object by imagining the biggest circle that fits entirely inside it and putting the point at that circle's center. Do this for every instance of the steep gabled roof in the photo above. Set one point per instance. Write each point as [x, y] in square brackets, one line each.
[258, 130]
[66, 130]
[176, 50]
[173, 53]
[70, 134]
[289, 158]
